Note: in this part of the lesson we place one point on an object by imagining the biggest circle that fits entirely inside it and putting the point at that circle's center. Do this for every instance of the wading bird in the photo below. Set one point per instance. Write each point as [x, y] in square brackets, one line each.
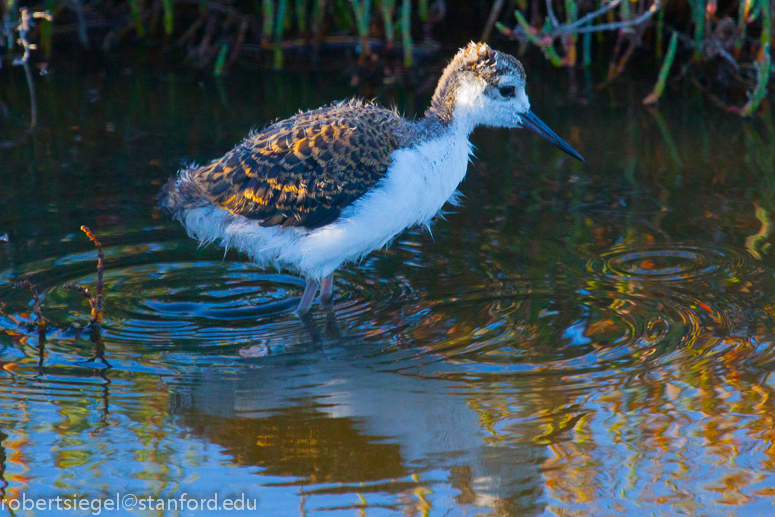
[330, 185]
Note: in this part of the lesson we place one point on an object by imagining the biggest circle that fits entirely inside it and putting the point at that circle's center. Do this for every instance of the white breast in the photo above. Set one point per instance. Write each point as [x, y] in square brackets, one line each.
[417, 184]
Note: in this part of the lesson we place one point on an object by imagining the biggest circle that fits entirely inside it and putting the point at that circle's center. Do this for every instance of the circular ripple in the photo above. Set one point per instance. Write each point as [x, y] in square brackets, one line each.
[628, 310]
[205, 307]
[665, 265]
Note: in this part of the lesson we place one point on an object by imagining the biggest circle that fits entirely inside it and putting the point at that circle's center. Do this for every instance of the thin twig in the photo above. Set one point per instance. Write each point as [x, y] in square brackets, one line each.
[243, 30]
[587, 18]
[190, 31]
[25, 24]
[624, 24]
[497, 6]
[82, 36]
[35, 301]
[100, 270]
[94, 301]
[77, 287]
[550, 12]
[580, 27]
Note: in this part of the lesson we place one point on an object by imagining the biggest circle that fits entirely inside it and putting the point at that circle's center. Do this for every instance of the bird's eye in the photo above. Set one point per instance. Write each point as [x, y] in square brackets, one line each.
[508, 91]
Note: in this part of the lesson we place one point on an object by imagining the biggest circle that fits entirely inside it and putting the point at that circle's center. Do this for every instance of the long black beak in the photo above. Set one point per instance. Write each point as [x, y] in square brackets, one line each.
[534, 124]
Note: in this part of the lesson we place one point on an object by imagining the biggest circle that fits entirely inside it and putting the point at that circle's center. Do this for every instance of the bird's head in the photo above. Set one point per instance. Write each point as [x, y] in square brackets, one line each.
[482, 86]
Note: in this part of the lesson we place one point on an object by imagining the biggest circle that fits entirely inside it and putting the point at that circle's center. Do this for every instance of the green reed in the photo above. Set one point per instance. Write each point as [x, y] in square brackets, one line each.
[267, 13]
[215, 34]
[388, 8]
[406, 32]
[279, 29]
[220, 61]
[660, 32]
[587, 50]
[547, 48]
[169, 16]
[301, 15]
[423, 10]
[362, 10]
[664, 71]
[47, 32]
[136, 8]
[698, 17]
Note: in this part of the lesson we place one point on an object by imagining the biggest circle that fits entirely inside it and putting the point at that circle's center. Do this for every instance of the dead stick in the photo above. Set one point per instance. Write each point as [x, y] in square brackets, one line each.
[97, 318]
[35, 301]
[94, 301]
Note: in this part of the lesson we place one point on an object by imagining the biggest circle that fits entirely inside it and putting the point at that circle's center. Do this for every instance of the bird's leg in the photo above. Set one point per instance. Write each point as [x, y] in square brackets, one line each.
[327, 288]
[307, 297]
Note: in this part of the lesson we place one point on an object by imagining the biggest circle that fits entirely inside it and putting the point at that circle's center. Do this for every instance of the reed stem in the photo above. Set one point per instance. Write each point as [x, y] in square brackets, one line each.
[547, 47]
[362, 10]
[406, 32]
[279, 28]
[301, 15]
[388, 8]
[267, 12]
[169, 20]
[654, 96]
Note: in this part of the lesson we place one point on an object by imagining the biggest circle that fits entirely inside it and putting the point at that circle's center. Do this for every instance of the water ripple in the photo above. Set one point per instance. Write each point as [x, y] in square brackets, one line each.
[666, 265]
[628, 309]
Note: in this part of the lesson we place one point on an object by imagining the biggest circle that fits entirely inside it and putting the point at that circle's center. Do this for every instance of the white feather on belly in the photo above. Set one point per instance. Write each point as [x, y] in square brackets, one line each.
[416, 186]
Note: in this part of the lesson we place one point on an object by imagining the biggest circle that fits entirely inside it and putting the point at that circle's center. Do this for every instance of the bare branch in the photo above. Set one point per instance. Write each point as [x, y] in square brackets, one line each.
[35, 301]
[96, 302]
[78, 287]
[588, 18]
[550, 12]
[624, 24]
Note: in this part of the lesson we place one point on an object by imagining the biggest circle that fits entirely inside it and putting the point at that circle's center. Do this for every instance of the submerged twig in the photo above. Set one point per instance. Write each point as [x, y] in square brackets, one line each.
[35, 301]
[94, 301]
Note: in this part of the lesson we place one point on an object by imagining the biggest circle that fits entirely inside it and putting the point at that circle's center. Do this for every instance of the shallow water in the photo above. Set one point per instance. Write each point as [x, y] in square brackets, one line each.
[575, 339]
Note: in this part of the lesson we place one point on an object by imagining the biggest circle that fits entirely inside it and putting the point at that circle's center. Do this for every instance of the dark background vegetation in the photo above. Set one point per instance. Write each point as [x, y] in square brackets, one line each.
[720, 47]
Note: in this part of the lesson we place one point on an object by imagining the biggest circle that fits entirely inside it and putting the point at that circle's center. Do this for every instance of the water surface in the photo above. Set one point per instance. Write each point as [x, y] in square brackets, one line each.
[576, 339]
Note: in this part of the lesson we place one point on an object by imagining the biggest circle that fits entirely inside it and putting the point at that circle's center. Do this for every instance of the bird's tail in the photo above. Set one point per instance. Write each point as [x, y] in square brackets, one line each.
[181, 192]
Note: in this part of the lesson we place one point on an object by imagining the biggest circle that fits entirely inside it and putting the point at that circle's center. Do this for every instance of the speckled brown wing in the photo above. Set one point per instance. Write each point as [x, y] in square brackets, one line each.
[305, 170]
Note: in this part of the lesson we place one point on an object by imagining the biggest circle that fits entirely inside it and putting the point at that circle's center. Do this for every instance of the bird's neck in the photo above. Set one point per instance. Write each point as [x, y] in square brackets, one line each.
[455, 108]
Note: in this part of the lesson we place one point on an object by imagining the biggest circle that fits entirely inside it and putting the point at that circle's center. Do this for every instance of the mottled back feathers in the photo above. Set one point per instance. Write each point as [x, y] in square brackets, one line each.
[302, 171]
